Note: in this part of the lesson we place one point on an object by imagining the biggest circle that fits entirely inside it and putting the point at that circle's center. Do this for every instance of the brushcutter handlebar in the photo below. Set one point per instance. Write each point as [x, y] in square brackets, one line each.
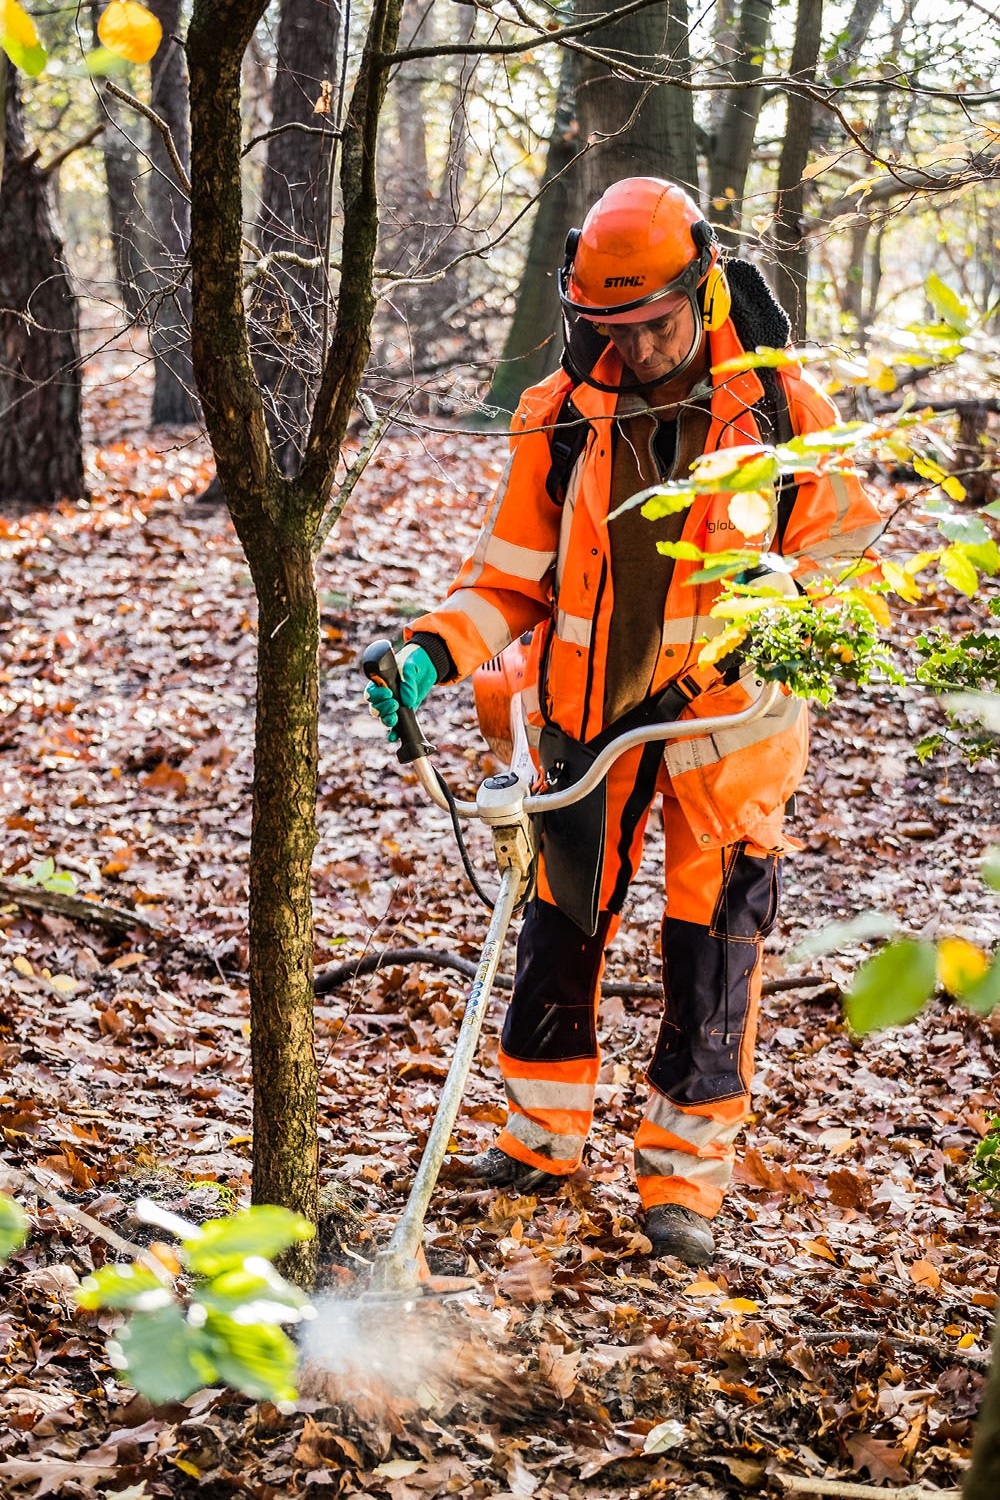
[379, 665]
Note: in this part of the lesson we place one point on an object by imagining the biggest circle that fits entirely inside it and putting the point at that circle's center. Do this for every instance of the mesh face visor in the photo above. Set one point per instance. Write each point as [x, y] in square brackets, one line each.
[584, 342]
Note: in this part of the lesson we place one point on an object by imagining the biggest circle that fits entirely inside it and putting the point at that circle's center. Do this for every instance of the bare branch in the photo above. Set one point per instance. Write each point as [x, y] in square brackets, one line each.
[53, 166]
[161, 125]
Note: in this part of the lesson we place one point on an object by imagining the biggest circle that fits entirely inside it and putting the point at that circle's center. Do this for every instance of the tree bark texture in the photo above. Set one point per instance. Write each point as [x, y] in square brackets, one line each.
[633, 127]
[41, 455]
[531, 349]
[982, 1482]
[791, 270]
[278, 522]
[732, 138]
[174, 397]
[288, 313]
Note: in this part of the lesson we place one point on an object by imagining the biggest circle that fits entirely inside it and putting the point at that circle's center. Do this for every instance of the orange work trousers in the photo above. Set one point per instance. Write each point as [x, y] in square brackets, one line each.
[720, 905]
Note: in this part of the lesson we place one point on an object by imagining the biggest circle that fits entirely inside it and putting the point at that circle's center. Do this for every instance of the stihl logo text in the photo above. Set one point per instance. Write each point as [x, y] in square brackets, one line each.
[624, 281]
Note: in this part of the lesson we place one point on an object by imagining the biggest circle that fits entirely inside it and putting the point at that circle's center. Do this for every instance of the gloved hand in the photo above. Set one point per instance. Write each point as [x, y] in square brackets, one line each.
[417, 675]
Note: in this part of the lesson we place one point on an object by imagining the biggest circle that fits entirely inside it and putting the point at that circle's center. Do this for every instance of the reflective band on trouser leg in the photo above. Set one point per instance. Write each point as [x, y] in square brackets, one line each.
[720, 906]
[548, 1053]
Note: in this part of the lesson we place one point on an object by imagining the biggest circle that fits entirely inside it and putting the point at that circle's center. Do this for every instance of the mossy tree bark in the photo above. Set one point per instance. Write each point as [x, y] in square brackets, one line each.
[791, 270]
[278, 519]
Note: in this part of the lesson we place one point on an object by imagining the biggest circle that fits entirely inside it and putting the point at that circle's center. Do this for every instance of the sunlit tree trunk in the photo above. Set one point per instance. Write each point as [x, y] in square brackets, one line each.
[532, 346]
[791, 268]
[174, 397]
[635, 127]
[735, 124]
[41, 456]
[291, 299]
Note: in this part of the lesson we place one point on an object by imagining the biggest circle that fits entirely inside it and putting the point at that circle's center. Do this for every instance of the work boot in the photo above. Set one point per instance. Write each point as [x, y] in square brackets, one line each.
[494, 1168]
[675, 1230]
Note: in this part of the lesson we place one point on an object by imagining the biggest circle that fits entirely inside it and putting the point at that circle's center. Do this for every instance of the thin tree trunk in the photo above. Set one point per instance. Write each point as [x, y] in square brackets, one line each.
[634, 128]
[982, 1482]
[174, 399]
[531, 349]
[127, 218]
[41, 455]
[278, 522]
[791, 271]
[294, 221]
[733, 135]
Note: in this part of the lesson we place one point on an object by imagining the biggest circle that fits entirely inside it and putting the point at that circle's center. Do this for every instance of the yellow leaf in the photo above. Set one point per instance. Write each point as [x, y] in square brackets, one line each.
[953, 488]
[922, 1273]
[873, 603]
[702, 1289]
[23, 967]
[928, 469]
[737, 609]
[967, 1340]
[720, 645]
[820, 1248]
[918, 563]
[17, 24]
[959, 964]
[130, 30]
[738, 1305]
[64, 984]
[900, 581]
[820, 165]
[187, 1467]
[723, 463]
[959, 571]
[750, 512]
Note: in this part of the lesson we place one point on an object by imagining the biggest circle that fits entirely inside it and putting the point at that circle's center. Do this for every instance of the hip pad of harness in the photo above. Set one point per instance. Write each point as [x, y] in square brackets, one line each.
[573, 837]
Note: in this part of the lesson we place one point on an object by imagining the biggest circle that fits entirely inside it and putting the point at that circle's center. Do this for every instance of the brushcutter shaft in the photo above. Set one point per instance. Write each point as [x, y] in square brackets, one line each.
[396, 1268]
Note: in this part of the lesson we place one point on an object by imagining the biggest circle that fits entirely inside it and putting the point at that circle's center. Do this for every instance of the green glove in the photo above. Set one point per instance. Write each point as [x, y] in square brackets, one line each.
[417, 675]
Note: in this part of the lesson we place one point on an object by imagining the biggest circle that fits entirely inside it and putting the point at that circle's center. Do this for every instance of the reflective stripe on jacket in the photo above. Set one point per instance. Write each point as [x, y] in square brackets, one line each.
[538, 562]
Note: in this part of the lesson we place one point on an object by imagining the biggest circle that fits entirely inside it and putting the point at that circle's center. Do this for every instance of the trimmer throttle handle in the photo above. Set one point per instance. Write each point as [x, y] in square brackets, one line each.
[379, 664]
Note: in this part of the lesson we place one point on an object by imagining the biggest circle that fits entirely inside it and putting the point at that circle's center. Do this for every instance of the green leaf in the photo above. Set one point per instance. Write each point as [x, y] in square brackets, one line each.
[964, 528]
[947, 303]
[859, 929]
[893, 987]
[839, 437]
[135, 1287]
[984, 995]
[257, 1359]
[102, 63]
[665, 502]
[958, 570]
[762, 358]
[224, 1244]
[990, 869]
[725, 565]
[14, 1227]
[682, 551]
[256, 1290]
[993, 509]
[30, 59]
[983, 555]
[165, 1357]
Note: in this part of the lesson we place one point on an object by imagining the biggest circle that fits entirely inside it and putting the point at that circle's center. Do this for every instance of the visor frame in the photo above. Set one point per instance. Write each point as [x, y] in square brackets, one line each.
[686, 285]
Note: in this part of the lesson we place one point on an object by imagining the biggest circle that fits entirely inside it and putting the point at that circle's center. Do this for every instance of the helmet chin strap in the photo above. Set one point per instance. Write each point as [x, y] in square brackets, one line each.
[629, 384]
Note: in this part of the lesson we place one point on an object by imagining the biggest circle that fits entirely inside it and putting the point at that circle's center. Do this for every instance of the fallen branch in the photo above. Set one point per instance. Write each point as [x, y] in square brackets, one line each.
[37, 898]
[796, 1484]
[14, 1181]
[919, 1343]
[356, 968]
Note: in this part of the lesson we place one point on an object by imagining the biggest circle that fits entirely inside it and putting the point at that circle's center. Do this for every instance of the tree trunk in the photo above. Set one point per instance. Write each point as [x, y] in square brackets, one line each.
[633, 127]
[174, 399]
[278, 522]
[531, 349]
[791, 271]
[290, 301]
[732, 138]
[41, 454]
[982, 1482]
[127, 218]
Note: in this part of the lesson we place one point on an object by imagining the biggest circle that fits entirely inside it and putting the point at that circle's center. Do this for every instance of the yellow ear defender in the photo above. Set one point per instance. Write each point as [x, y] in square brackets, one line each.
[716, 300]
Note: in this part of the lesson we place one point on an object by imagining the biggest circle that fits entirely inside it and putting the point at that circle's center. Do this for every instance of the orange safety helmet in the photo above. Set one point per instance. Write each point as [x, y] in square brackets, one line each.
[644, 251]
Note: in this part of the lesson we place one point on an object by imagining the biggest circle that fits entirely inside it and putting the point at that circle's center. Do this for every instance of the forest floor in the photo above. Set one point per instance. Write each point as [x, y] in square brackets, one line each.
[843, 1329]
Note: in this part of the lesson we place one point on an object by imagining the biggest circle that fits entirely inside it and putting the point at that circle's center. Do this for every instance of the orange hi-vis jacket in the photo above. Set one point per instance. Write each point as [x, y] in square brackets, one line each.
[541, 562]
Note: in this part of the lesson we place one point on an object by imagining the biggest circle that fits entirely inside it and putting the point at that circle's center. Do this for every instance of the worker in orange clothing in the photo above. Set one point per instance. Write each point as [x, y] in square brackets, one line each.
[650, 308]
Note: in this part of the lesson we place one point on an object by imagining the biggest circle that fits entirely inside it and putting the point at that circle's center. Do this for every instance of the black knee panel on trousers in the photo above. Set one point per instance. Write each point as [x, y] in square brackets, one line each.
[552, 1013]
[706, 988]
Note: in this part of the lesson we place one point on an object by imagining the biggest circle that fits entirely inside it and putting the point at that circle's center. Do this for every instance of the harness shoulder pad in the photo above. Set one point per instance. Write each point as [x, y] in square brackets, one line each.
[569, 437]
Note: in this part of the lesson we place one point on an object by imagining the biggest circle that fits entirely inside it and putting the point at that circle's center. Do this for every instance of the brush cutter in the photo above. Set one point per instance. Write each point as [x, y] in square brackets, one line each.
[514, 815]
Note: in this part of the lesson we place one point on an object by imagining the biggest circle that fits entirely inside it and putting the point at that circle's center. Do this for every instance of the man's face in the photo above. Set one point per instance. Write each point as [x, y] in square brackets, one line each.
[653, 349]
